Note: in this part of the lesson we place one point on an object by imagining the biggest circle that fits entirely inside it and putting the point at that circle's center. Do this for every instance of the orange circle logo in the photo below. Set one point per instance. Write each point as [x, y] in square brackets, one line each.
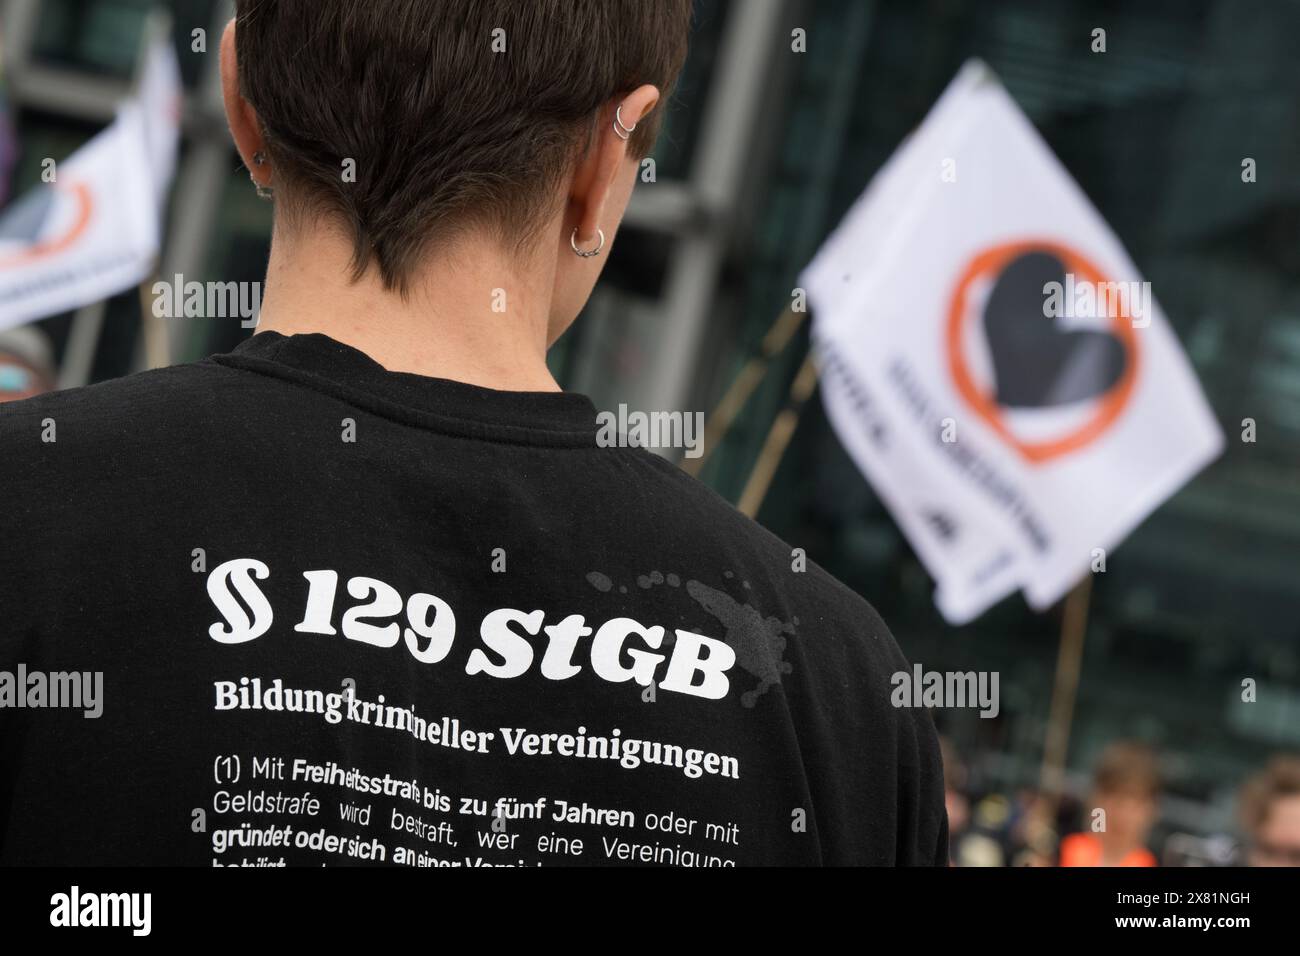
[1036, 363]
[77, 193]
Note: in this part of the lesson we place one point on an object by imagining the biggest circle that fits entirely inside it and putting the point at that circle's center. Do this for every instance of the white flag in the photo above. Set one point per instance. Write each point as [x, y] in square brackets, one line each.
[161, 98]
[94, 230]
[995, 363]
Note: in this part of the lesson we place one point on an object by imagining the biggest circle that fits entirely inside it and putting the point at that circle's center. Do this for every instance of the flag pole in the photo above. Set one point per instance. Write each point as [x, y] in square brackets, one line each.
[724, 414]
[1069, 661]
[778, 439]
[154, 350]
[155, 336]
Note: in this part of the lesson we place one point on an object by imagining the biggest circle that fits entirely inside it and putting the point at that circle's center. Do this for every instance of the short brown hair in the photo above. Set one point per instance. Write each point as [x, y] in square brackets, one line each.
[1127, 767]
[444, 132]
[1279, 780]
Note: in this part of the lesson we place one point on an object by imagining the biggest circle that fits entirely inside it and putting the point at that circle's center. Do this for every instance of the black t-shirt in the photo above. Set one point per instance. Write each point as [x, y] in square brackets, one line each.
[283, 606]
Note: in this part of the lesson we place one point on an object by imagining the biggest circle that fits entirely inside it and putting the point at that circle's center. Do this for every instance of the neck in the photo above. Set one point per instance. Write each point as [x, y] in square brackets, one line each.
[473, 315]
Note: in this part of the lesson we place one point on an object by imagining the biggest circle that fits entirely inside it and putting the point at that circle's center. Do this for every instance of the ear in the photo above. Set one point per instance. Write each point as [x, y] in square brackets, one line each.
[597, 170]
[244, 126]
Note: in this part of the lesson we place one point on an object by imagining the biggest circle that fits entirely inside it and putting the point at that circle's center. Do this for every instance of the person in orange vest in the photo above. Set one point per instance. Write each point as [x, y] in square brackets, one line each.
[1122, 809]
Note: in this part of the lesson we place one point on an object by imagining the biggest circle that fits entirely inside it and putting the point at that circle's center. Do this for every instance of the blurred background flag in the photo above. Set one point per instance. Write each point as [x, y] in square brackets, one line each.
[994, 362]
[94, 230]
[161, 97]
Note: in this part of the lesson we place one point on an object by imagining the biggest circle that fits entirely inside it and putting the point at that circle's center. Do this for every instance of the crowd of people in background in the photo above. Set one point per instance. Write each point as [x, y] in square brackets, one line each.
[1113, 823]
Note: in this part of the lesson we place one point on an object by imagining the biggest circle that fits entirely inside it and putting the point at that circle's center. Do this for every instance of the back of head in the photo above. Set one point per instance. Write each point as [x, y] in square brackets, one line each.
[1127, 768]
[1270, 813]
[449, 114]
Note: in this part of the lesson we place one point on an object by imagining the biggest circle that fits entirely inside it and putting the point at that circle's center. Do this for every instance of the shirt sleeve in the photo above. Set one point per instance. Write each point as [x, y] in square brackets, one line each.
[923, 816]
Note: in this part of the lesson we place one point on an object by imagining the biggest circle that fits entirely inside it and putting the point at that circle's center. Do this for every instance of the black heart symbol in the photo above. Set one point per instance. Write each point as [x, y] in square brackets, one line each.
[1035, 363]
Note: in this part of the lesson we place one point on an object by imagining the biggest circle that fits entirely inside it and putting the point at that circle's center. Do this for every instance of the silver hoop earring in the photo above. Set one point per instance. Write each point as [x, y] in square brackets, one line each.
[263, 192]
[589, 253]
[621, 130]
